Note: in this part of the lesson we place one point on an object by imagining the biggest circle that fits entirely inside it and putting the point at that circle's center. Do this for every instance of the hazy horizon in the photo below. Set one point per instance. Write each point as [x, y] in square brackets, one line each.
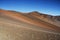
[51, 7]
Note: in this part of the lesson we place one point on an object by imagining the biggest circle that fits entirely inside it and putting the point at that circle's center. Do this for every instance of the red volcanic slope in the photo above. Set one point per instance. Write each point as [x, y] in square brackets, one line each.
[34, 18]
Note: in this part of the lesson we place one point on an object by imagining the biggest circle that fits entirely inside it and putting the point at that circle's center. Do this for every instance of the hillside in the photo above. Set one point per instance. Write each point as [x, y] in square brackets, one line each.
[30, 26]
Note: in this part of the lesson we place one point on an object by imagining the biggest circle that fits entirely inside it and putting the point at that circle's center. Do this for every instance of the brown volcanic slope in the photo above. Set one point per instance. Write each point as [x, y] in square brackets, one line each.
[27, 19]
[47, 18]
[17, 26]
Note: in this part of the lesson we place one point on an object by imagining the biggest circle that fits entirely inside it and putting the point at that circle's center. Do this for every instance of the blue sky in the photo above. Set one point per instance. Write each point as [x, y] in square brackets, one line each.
[51, 7]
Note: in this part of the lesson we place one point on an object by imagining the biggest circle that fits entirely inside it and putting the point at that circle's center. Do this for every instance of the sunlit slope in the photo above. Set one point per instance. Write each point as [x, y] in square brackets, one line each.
[55, 20]
[27, 19]
[13, 29]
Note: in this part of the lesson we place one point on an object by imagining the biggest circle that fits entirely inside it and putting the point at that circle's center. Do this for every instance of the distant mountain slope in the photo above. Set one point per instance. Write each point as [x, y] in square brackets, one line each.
[55, 20]
[31, 19]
